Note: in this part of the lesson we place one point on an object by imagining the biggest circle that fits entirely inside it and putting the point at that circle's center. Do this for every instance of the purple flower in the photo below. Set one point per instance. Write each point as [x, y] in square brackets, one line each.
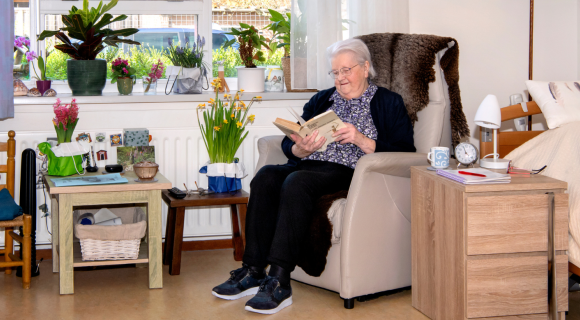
[203, 41]
[17, 42]
[169, 42]
[31, 56]
[179, 50]
[27, 42]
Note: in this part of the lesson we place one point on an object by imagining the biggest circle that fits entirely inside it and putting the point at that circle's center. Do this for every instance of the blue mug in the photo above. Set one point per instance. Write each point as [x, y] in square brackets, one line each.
[439, 157]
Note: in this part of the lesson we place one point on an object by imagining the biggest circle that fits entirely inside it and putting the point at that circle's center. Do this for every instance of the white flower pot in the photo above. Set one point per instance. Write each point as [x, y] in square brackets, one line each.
[251, 79]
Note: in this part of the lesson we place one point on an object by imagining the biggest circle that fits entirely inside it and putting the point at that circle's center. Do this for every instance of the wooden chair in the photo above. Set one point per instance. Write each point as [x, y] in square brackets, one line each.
[24, 221]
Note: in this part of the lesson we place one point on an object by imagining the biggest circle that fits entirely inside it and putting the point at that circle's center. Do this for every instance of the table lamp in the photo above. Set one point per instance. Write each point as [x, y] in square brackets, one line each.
[488, 115]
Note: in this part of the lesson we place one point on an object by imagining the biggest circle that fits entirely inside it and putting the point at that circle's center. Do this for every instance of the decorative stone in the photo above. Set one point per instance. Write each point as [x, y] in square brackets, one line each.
[34, 93]
[49, 93]
[19, 88]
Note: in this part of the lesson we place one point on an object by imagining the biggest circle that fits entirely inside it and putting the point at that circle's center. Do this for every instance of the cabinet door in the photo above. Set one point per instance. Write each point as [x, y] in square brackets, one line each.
[515, 223]
[507, 286]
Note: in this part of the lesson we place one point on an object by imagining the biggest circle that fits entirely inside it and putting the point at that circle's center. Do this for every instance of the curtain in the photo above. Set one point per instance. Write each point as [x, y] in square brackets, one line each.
[377, 16]
[6, 59]
[318, 24]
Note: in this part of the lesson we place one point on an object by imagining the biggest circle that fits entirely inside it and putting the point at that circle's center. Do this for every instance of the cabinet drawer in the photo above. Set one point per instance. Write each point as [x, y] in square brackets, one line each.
[507, 286]
[515, 223]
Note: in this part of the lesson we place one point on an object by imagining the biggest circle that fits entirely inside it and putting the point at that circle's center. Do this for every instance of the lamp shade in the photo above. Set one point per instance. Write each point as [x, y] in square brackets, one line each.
[488, 114]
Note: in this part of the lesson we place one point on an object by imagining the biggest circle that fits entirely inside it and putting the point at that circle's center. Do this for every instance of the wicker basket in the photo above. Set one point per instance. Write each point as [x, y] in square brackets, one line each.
[119, 242]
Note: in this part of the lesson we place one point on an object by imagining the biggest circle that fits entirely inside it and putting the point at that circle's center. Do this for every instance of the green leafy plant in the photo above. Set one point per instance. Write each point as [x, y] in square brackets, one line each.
[251, 44]
[224, 124]
[280, 28]
[122, 70]
[88, 26]
[187, 57]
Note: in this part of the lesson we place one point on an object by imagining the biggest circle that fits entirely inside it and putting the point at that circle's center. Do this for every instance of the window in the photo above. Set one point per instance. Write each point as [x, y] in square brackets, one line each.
[227, 14]
[21, 69]
[159, 22]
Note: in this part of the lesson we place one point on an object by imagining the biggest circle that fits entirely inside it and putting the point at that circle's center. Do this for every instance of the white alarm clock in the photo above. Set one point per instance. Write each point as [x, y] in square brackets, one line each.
[466, 153]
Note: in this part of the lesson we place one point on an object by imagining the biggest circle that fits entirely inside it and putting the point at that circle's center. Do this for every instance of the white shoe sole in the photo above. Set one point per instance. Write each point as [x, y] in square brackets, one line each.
[248, 292]
[282, 305]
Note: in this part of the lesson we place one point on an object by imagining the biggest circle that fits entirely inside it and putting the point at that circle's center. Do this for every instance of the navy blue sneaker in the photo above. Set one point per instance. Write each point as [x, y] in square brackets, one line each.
[243, 282]
[271, 298]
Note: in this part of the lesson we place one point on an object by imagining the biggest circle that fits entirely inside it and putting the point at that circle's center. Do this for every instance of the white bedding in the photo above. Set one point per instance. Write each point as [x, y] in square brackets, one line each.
[559, 149]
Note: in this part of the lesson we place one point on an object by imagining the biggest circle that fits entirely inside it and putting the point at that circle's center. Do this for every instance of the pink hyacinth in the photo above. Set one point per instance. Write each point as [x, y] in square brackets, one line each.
[156, 70]
[65, 114]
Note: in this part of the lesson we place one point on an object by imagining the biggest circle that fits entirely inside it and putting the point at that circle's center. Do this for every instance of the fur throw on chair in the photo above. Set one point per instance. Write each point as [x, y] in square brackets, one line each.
[404, 64]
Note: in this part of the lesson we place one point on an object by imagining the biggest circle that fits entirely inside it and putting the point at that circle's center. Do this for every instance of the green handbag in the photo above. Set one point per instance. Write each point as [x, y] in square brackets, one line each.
[61, 166]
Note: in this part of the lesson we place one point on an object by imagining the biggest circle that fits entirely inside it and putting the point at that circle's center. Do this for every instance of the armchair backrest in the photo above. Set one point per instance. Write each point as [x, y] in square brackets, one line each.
[434, 127]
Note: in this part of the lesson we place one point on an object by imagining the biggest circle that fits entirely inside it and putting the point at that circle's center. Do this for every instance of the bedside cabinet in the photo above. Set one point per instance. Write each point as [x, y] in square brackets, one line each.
[481, 251]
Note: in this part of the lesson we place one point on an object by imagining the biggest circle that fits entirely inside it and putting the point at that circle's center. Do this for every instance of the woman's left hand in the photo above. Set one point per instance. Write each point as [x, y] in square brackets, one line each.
[350, 134]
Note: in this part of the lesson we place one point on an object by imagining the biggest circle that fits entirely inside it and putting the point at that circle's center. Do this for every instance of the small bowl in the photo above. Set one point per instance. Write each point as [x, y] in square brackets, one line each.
[146, 170]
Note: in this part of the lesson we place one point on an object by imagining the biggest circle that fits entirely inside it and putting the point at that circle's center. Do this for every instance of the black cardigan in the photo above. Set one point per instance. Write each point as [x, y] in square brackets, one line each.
[394, 128]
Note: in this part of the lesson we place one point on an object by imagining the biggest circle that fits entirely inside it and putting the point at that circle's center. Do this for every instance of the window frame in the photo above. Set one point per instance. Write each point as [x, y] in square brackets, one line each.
[202, 8]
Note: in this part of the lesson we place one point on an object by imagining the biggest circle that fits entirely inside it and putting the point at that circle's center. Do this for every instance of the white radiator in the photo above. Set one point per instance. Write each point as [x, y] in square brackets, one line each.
[179, 151]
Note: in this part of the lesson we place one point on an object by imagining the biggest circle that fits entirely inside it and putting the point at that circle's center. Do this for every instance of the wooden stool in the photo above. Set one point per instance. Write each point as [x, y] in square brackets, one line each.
[175, 219]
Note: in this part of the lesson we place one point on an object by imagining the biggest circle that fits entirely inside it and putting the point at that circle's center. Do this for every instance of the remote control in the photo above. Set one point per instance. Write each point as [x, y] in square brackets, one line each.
[176, 193]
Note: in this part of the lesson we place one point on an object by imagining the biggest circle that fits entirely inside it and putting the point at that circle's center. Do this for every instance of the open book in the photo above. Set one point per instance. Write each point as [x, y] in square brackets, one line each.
[326, 123]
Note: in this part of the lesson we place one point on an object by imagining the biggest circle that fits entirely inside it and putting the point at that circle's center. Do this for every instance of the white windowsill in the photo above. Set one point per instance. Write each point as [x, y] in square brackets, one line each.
[111, 96]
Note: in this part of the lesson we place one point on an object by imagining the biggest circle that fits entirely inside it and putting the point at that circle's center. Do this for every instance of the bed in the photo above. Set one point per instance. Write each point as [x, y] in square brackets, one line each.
[558, 149]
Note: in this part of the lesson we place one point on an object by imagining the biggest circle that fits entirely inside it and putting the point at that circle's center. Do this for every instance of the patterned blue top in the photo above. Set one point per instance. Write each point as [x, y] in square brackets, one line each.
[358, 113]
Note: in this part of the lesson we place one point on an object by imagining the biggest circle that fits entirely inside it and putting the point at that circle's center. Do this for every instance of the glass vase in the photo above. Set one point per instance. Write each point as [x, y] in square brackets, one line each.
[149, 86]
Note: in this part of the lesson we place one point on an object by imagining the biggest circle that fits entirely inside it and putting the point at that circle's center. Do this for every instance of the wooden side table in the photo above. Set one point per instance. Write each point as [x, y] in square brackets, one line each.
[481, 251]
[238, 203]
[66, 256]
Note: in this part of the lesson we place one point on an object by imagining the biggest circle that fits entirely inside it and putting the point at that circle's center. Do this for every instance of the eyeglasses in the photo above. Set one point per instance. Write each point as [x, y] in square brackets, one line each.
[514, 170]
[344, 71]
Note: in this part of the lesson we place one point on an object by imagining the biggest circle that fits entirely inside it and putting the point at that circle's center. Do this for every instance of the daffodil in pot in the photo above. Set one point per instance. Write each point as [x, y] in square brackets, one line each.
[223, 131]
[86, 74]
[250, 77]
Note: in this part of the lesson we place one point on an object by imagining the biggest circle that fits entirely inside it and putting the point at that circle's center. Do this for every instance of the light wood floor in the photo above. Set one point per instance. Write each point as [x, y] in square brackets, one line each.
[122, 293]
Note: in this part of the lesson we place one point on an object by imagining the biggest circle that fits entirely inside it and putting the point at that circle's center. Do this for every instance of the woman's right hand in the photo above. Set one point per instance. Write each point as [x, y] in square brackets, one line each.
[305, 147]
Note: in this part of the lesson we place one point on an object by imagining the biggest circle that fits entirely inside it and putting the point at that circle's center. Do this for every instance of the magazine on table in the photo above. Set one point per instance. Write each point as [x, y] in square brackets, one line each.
[474, 176]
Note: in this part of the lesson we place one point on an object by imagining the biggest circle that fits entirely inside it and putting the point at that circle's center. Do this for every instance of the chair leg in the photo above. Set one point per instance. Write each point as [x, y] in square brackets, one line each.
[349, 303]
[8, 248]
[26, 254]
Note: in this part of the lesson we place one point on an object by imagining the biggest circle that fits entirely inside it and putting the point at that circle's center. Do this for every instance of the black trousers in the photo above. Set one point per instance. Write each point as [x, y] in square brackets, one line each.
[280, 209]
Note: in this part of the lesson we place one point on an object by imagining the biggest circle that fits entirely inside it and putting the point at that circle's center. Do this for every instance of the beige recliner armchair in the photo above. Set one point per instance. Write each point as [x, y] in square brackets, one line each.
[374, 251]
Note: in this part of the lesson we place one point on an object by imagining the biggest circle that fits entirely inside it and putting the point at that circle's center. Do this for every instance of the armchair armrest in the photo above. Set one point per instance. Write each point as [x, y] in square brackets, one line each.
[270, 151]
[391, 163]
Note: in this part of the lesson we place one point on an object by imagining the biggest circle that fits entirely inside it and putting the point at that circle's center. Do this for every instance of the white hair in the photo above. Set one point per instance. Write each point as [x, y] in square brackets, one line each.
[356, 46]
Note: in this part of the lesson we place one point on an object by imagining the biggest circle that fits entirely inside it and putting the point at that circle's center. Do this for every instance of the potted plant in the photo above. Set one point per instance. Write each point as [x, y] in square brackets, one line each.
[188, 66]
[223, 131]
[280, 28]
[42, 83]
[150, 81]
[250, 77]
[87, 75]
[123, 75]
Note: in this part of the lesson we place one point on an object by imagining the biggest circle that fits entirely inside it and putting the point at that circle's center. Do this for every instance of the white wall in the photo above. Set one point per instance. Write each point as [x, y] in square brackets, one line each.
[493, 40]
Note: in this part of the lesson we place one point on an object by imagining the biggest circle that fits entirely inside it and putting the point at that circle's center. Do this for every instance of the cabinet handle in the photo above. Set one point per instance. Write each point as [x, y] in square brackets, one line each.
[552, 279]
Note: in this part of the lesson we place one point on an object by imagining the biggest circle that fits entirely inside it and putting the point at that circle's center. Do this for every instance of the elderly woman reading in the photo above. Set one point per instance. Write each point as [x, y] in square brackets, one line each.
[283, 196]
